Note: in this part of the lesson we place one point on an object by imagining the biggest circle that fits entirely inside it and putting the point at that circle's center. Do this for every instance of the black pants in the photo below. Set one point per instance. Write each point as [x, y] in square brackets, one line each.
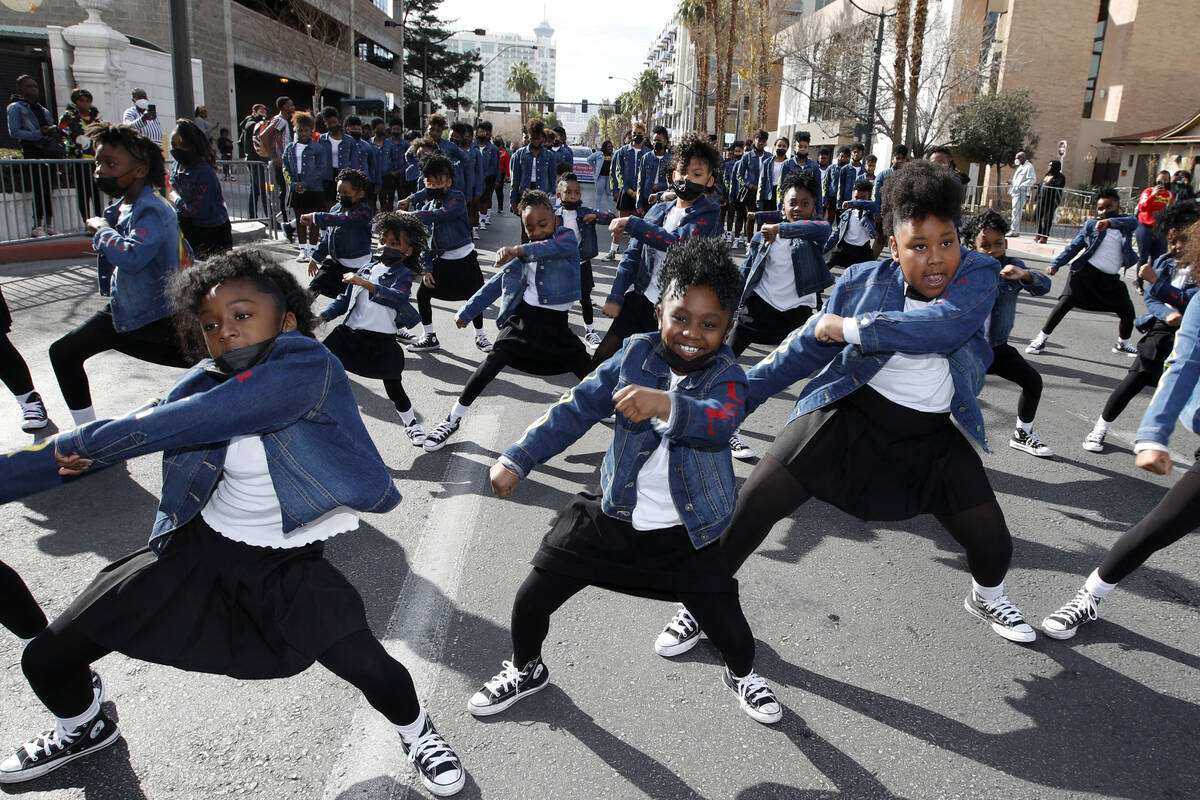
[496, 361]
[1176, 515]
[13, 369]
[500, 196]
[207, 241]
[747, 206]
[155, 342]
[87, 194]
[772, 493]
[40, 181]
[19, 612]
[587, 282]
[1129, 387]
[543, 593]
[847, 255]
[258, 187]
[394, 387]
[637, 316]
[57, 665]
[1010, 365]
[281, 182]
[425, 297]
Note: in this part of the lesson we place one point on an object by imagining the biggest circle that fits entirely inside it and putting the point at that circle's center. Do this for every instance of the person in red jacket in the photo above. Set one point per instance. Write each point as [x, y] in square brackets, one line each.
[504, 157]
[1150, 243]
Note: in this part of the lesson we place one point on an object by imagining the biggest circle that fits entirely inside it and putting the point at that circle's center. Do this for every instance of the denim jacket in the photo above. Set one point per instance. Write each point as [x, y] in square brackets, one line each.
[519, 166]
[557, 277]
[395, 157]
[310, 173]
[1087, 240]
[200, 197]
[625, 164]
[790, 165]
[137, 257]
[873, 293]
[1178, 392]
[706, 408]
[868, 220]
[446, 219]
[589, 245]
[700, 219]
[346, 147]
[750, 170]
[1162, 297]
[349, 234]
[651, 177]
[729, 176]
[1005, 310]
[804, 238]
[392, 289]
[491, 160]
[847, 175]
[299, 401]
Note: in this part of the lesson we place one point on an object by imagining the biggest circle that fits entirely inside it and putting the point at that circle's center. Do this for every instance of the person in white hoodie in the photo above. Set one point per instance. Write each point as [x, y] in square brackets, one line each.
[1022, 183]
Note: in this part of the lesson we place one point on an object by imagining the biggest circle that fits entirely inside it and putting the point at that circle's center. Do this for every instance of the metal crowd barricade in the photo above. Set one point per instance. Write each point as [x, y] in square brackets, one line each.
[1074, 206]
[66, 187]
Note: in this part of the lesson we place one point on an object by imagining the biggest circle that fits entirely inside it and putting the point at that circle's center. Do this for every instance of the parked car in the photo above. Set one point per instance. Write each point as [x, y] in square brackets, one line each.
[582, 169]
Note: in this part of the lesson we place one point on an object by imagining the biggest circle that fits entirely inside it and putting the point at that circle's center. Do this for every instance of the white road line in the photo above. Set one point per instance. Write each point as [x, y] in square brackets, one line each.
[370, 757]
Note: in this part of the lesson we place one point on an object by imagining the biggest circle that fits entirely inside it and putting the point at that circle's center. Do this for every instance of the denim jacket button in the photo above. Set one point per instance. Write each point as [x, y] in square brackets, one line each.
[688, 507]
[962, 409]
[679, 469]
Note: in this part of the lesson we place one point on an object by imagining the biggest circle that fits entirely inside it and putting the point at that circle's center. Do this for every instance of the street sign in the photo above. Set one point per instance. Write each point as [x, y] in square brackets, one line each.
[496, 108]
[1062, 148]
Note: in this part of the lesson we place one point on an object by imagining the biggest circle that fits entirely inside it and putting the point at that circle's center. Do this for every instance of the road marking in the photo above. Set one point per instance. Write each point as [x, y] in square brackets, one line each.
[370, 764]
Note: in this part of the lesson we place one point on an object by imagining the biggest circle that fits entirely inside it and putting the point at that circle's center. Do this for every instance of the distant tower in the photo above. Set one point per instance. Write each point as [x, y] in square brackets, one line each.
[543, 31]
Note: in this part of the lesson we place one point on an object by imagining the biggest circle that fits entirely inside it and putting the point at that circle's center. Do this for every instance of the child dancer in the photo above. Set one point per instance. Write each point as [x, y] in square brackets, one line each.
[233, 581]
[679, 391]
[1160, 324]
[625, 164]
[783, 274]
[634, 293]
[196, 192]
[652, 170]
[1095, 283]
[304, 164]
[346, 244]
[14, 372]
[582, 222]
[987, 234]
[138, 249]
[900, 349]
[1178, 514]
[452, 264]
[771, 176]
[853, 240]
[537, 284]
[377, 307]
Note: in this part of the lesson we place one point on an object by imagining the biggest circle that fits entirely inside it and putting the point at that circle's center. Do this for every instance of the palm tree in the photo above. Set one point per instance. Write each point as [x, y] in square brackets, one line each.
[522, 81]
[646, 89]
[916, 53]
[693, 14]
[902, 25]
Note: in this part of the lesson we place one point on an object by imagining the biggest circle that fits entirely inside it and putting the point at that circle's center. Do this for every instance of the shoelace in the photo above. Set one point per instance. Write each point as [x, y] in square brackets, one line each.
[432, 751]
[49, 742]
[1032, 440]
[34, 411]
[1084, 604]
[442, 431]
[508, 678]
[1095, 436]
[754, 688]
[683, 623]
[1004, 609]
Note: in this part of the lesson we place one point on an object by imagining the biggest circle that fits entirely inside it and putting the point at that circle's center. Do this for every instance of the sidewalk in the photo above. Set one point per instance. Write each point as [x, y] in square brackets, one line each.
[1024, 245]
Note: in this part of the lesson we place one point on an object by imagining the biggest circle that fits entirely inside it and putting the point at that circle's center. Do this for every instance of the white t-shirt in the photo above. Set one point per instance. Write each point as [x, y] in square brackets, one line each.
[245, 508]
[856, 232]
[299, 157]
[531, 296]
[655, 508]
[570, 220]
[367, 315]
[333, 153]
[918, 381]
[670, 223]
[1109, 256]
[778, 284]
[776, 172]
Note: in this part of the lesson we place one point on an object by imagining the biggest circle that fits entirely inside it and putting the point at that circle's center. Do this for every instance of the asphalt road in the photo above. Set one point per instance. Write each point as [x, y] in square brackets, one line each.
[890, 688]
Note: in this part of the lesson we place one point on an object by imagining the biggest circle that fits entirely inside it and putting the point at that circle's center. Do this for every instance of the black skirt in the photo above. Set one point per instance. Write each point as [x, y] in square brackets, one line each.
[1093, 290]
[540, 341]
[210, 604]
[1153, 349]
[878, 460]
[370, 354]
[455, 279]
[308, 201]
[626, 203]
[209, 241]
[587, 544]
[765, 324]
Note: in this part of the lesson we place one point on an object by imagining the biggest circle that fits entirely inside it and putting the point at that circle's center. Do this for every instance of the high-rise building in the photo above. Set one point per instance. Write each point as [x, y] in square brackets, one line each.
[498, 52]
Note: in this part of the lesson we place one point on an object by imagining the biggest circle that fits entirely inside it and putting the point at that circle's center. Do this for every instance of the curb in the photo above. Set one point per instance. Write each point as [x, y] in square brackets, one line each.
[47, 248]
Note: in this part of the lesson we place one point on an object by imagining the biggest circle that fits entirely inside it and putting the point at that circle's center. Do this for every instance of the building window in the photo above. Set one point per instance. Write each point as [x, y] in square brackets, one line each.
[1089, 91]
[384, 5]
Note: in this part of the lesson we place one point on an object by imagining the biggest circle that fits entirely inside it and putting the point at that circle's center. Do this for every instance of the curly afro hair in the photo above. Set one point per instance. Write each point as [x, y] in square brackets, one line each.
[918, 190]
[191, 286]
[401, 223]
[700, 261]
[437, 165]
[692, 146]
[535, 197]
[356, 178]
[1178, 216]
[143, 150]
[987, 220]
[802, 180]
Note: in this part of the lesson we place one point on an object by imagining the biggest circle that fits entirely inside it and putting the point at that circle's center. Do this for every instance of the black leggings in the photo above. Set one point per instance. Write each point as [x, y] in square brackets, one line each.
[586, 283]
[542, 593]
[1066, 303]
[13, 369]
[1133, 382]
[395, 392]
[496, 360]
[425, 297]
[155, 342]
[1175, 516]
[19, 612]
[772, 493]
[58, 663]
[1010, 365]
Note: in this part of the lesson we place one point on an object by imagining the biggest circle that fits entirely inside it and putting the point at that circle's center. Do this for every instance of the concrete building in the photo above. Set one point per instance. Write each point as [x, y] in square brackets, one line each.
[498, 52]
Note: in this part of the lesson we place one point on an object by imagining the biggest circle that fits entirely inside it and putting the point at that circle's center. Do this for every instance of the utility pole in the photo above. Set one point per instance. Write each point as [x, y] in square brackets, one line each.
[353, 55]
[874, 71]
[181, 59]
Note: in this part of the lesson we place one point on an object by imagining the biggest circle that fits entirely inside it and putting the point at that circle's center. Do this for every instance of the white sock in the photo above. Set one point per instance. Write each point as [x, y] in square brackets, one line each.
[1025, 426]
[458, 412]
[1097, 586]
[70, 724]
[1040, 338]
[408, 417]
[590, 328]
[428, 328]
[1124, 342]
[988, 593]
[83, 416]
[412, 730]
[1102, 425]
[479, 334]
[24, 640]
[23, 399]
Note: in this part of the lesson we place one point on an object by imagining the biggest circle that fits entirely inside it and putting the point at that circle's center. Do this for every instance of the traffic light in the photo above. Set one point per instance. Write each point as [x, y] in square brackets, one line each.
[583, 106]
[617, 107]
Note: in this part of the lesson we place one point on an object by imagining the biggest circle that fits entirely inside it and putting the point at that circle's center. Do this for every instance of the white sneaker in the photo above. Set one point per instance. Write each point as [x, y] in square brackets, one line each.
[681, 634]
[592, 339]
[33, 414]
[1036, 347]
[1094, 442]
[48, 229]
[739, 449]
[1063, 623]
[1124, 347]
[754, 696]
[415, 434]
[1005, 618]
[303, 257]
[482, 342]
[1029, 443]
[37, 232]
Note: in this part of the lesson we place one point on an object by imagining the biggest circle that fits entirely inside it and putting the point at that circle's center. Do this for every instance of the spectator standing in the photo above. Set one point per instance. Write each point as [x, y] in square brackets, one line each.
[1049, 196]
[1023, 181]
[143, 116]
[1150, 242]
[258, 170]
[271, 143]
[31, 124]
[79, 114]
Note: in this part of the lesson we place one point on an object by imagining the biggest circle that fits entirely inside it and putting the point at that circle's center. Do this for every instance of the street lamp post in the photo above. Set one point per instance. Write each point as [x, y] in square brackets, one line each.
[425, 59]
[479, 96]
[874, 70]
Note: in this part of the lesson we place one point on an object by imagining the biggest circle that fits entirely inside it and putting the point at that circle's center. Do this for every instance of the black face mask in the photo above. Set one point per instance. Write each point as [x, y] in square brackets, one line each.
[572, 206]
[687, 190]
[396, 135]
[782, 151]
[679, 364]
[357, 135]
[345, 201]
[638, 138]
[391, 256]
[182, 156]
[238, 361]
[110, 186]
[659, 147]
[334, 128]
[436, 193]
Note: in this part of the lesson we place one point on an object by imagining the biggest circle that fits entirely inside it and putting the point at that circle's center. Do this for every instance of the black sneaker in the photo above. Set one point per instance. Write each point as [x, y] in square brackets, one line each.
[483, 343]
[739, 449]
[289, 230]
[427, 342]
[1029, 443]
[1124, 347]
[1006, 619]
[405, 338]
[754, 696]
[33, 413]
[1063, 623]
[436, 438]
[53, 749]
[509, 686]
[97, 687]
[681, 634]
[1036, 348]
[436, 762]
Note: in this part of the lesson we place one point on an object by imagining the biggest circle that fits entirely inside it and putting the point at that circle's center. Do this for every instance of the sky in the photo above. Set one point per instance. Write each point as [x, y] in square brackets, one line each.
[592, 44]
